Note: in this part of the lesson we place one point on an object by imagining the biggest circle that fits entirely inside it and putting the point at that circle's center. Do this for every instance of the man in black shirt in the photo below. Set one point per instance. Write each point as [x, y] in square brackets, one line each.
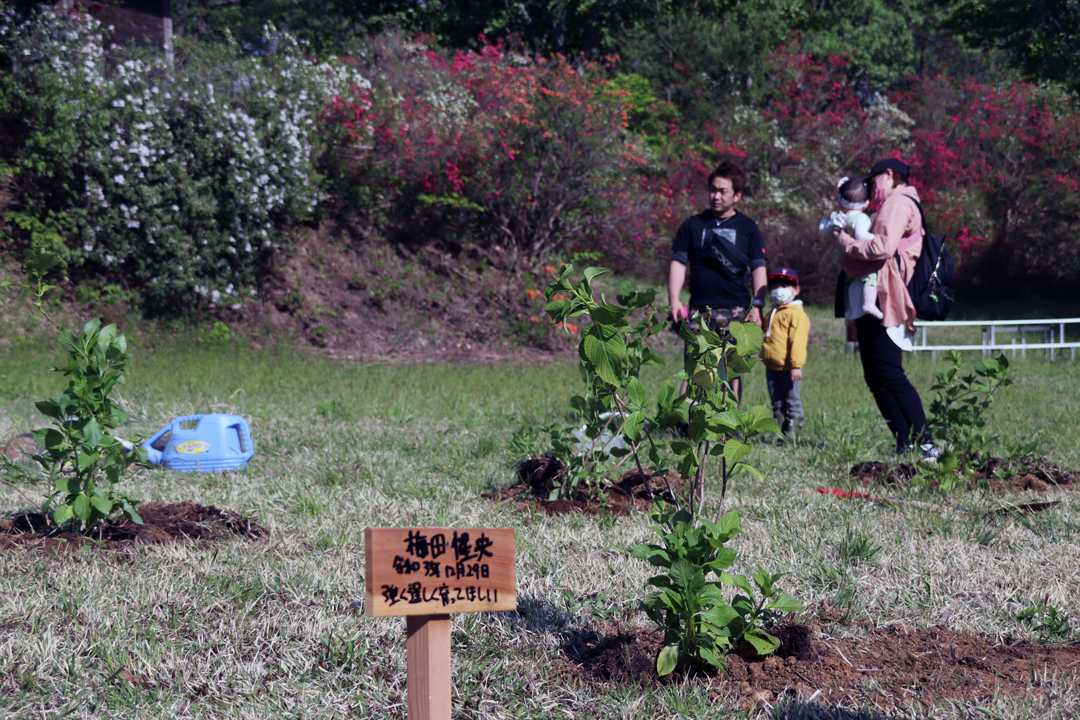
[726, 256]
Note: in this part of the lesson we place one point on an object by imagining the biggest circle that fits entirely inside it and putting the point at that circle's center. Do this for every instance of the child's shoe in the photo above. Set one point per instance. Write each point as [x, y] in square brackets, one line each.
[793, 429]
[781, 422]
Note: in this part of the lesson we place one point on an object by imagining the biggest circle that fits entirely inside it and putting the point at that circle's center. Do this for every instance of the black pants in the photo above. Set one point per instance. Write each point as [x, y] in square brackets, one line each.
[883, 369]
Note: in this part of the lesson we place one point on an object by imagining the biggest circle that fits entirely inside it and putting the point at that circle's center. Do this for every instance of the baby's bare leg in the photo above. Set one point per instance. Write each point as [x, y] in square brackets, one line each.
[869, 293]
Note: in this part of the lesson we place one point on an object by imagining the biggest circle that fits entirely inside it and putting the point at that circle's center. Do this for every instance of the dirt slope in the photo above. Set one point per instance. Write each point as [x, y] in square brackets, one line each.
[355, 295]
[363, 297]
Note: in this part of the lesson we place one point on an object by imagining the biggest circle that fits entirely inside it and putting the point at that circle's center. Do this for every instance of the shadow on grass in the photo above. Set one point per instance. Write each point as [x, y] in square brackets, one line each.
[799, 709]
[615, 652]
[539, 616]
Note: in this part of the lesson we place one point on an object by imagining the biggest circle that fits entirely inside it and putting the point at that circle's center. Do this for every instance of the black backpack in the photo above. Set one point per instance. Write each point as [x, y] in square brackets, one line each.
[931, 286]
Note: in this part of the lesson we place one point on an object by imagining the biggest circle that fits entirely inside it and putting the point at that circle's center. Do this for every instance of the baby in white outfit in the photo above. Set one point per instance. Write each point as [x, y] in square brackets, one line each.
[852, 198]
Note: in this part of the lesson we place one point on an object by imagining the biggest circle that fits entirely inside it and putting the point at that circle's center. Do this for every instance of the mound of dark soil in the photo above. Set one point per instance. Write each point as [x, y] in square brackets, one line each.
[540, 473]
[617, 653]
[885, 668]
[1032, 474]
[162, 522]
[880, 473]
[537, 476]
[1036, 475]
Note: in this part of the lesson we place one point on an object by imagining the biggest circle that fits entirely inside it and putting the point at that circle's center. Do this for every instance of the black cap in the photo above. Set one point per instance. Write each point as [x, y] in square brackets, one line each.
[888, 164]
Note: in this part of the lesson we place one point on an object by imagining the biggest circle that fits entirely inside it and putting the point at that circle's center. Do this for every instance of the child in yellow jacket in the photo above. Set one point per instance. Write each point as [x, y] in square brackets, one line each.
[787, 328]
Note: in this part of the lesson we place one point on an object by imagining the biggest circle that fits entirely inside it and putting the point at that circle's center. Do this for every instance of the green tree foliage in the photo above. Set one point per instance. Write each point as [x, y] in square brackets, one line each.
[327, 26]
[709, 55]
[541, 26]
[645, 111]
[884, 40]
[700, 66]
[879, 37]
[1039, 37]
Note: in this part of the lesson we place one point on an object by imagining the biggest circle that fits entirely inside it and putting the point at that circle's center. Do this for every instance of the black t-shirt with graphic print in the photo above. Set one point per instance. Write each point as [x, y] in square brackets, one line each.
[707, 286]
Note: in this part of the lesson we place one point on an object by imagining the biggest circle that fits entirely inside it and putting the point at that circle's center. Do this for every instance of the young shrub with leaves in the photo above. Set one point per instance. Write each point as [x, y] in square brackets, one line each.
[699, 625]
[614, 407]
[1048, 624]
[959, 408]
[83, 459]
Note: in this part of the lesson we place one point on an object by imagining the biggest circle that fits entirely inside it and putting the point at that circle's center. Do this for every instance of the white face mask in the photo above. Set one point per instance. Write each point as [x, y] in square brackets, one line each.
[782, 295]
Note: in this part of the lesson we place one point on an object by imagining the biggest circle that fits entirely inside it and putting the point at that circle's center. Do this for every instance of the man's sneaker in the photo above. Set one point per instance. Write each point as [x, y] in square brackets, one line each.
[930, 452]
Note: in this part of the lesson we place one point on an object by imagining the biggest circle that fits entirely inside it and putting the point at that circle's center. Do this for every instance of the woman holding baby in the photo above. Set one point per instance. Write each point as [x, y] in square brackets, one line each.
[891, 249]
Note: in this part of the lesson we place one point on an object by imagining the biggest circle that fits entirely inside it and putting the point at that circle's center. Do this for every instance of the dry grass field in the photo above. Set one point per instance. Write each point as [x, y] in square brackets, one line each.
[274, 627]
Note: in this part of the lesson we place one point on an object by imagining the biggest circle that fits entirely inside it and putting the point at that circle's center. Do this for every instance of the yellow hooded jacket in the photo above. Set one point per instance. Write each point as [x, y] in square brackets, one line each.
[787, 329]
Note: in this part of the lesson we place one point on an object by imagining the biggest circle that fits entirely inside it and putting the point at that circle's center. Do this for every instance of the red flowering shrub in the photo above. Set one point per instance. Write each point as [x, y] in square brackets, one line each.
[810, 130]
[530, 146]
[807, 131]
[998, 168]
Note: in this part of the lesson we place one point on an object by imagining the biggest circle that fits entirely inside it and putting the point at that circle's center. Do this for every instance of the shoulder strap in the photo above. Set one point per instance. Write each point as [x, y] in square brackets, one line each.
[922, 221]
[726, 255]
[922, 215]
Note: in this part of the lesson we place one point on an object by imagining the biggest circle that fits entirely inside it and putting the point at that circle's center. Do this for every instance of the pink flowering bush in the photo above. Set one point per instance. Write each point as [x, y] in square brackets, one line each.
[530, 147]
[795, 140]
[998, 165]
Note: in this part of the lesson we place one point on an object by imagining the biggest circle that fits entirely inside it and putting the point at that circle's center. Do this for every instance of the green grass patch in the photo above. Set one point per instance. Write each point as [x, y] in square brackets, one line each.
[272, 629]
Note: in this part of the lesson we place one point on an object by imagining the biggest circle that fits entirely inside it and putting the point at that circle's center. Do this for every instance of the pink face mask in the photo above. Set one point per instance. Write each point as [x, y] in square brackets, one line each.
[878, 193]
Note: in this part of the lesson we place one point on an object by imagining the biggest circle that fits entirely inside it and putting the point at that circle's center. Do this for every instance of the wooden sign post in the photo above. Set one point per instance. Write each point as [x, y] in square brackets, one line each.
[426, 574]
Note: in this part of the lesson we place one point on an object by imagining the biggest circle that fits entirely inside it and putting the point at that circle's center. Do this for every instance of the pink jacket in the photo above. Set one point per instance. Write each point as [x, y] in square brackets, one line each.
[896, 226]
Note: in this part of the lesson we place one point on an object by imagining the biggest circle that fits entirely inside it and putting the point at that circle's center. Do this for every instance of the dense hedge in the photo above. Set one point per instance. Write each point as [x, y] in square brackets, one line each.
[177, 184]
[172, 181]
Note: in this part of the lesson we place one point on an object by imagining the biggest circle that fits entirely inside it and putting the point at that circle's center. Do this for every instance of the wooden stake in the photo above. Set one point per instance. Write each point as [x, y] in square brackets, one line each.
[427, 647]
[427, 574]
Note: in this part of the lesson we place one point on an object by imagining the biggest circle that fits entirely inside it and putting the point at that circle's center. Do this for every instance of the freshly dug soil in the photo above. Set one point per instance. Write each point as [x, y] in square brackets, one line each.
[162, 522]
[1033, 475]
[876, 472]
[1040, 475]
[538, 474]
[888, 667]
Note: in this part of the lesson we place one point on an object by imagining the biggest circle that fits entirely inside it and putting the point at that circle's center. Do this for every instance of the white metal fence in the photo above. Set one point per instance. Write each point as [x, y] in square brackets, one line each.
[995, 332]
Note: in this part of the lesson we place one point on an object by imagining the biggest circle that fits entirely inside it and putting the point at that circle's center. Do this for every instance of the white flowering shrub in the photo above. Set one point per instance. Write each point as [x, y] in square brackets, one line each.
[177, 182]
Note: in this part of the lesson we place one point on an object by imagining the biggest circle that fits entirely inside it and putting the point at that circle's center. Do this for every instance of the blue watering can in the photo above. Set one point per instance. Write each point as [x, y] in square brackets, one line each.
[202, 443]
